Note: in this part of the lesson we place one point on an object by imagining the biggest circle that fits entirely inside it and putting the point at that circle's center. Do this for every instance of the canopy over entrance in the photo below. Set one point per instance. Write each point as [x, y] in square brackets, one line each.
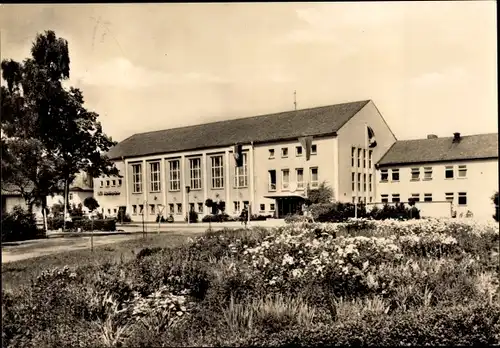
[287, 203]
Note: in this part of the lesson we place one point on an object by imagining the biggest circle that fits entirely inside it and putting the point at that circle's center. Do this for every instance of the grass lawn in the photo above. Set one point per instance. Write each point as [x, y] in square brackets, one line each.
[19, 273]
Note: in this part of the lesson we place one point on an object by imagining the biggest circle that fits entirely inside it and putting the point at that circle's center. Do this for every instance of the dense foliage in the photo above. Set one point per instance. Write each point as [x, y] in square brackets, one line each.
[19, 225]
[339, 212]
[416, 282]
[84, 224]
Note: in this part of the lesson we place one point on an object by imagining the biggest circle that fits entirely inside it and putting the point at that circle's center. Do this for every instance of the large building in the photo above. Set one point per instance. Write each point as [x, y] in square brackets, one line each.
[156, 167]
[455, 175]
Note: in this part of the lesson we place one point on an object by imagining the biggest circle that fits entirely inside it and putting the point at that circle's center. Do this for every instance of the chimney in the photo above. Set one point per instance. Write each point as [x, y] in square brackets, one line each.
[456, 137]
[432, 136]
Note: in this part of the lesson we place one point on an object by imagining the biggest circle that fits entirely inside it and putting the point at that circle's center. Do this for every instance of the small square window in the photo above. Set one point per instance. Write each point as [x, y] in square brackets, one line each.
[384, 175]
[428, 173]
[462, 198]
[415, 197]
[271, 153]
[298, 151]
[448, 173]
[449, 196]
[462, 171]
[262, 207]
[314, 149]
[396, 198]
[384, 198]
[271, 207]
[284, 152]
[415, 174]
[427, 197]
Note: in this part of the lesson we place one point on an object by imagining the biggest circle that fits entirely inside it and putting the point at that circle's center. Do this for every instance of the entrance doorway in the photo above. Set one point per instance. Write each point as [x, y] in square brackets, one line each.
[289, 206]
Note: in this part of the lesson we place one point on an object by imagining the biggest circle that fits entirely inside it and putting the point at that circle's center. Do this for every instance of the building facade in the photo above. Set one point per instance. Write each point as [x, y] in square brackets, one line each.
[156, 167]
[452, 176]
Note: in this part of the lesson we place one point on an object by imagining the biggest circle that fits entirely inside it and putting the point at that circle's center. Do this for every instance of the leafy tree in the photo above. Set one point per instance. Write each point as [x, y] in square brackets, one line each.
[46, 125]
[91, 203]
[323, 194]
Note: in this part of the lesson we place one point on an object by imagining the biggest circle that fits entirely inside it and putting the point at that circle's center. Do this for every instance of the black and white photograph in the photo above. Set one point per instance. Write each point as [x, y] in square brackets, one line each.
[247, 174]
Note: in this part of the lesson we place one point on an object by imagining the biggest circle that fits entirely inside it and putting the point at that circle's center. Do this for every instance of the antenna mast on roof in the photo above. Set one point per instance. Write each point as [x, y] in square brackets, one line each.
[295, 99]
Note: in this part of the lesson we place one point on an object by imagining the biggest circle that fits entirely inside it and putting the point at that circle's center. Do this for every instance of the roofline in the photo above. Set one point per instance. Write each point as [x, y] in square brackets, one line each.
[324, 135]
[254, 116]
[385, 154]
[383, 119]
[366, 102]
[391, 164]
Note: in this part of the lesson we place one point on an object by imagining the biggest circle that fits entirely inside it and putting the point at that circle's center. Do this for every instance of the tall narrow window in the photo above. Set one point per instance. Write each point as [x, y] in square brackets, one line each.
[174, 175]
[285, 179]
[284, 152]
[151, 209]
[364, 158]
[272, 180]
[359, 158]
[359, 182]
[195, 173]
[314, 177]
[364, 182]
[217, 172]
[353, 156]
[353, 182]
[370, 155]
[171, 208]
[236, 206]
[137, 178]
[241, 174]
[179, 208]
[300, 178]
[154, 168]
[370, 182]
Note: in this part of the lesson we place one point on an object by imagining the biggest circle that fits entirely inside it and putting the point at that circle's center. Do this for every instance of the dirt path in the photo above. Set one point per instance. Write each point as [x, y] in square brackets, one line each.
[30, 249]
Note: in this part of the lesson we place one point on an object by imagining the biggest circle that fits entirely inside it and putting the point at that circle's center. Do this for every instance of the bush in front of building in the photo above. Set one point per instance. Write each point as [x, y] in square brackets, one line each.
[495, 200]
[84, 224]
[397, 211]
[341, 212]
[217, 218]
[193, 217]
[19, 225]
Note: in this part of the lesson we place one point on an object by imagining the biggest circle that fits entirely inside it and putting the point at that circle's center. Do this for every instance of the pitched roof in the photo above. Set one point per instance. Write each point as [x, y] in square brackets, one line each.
[280, 126]
[480, 146]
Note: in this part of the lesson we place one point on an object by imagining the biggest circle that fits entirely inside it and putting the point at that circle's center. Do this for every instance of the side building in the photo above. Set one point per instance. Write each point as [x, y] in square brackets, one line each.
[452, 176]
[156, 167]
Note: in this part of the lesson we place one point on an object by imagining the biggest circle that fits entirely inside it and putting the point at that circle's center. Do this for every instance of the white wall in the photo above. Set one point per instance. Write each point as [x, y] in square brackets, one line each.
[480, 183]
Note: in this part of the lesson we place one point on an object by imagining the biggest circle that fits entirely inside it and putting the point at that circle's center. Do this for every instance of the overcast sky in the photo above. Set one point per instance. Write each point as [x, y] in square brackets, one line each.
[429, 67]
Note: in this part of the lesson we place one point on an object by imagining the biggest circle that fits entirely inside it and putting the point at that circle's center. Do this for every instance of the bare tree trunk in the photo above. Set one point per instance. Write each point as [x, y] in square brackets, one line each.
[44, 213]
[65, 203]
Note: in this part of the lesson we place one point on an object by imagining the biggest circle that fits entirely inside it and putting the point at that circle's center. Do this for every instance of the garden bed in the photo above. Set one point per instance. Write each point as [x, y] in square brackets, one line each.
[361, 282]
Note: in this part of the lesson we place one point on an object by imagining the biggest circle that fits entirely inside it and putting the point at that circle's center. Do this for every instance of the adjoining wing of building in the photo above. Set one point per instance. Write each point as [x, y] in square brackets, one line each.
[458, 173]
[156, 167]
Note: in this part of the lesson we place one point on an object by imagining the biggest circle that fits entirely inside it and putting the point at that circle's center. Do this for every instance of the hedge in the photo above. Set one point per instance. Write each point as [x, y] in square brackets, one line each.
[84, 224]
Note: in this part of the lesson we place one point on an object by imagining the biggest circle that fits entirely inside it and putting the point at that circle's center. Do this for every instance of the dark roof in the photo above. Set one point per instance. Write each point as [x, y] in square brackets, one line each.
[480, 146]
[285, 125]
